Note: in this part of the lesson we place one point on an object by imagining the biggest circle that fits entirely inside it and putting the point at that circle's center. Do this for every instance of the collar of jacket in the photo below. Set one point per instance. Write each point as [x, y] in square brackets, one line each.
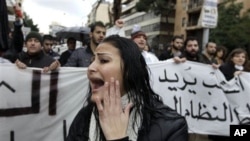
[37, 55]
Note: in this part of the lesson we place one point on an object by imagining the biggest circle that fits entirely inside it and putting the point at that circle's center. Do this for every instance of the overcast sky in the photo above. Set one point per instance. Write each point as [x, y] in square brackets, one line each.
[66, 12]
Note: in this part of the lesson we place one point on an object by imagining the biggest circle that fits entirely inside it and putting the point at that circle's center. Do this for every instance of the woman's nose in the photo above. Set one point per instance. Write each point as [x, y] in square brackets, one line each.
[92, 67]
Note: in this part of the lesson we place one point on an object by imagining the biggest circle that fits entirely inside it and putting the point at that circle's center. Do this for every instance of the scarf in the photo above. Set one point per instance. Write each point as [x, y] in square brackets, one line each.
[131, 133]
[240, 68]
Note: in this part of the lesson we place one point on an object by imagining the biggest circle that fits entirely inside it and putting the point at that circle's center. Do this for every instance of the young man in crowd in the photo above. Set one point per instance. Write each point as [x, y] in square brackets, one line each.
[140, 38]
[175, 49]
[208, 56]
[35, 57]
[71, 43]
[48, 42]
[81, 57]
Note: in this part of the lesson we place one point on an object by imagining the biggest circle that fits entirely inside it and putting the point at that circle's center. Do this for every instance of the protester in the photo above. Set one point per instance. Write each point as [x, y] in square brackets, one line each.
[190, 51]
[121, 104]
[71, 43]
[140, 38]
[208, 56]
[235, 63]
[221, 53]
[175, 49]
[48, 42]
[81, 57]
[35, 57]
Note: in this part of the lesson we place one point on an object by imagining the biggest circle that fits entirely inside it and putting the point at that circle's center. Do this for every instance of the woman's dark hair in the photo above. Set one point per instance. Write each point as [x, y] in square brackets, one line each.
[223, 49]
[136, 79]
[234, 52]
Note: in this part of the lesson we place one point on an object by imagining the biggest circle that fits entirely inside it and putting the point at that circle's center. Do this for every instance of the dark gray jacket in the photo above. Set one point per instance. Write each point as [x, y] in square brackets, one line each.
[81, 57]
[166, 125]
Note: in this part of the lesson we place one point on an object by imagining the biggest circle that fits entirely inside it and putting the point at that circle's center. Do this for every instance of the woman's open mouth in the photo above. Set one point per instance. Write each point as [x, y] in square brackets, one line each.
[96, 83]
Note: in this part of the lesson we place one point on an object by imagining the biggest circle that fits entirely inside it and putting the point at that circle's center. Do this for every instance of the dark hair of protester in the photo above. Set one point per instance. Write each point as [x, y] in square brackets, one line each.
[147, 104]
[94, 25]
[220, 54]
[71, 39]
[47, 37]
[223, 49]
[189, 39]
[247, 66]
[176, 37]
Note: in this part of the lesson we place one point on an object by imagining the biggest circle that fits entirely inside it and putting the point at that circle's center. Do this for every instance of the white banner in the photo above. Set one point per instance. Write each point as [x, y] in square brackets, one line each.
[201, 94]
[37, 106]
[209, 14]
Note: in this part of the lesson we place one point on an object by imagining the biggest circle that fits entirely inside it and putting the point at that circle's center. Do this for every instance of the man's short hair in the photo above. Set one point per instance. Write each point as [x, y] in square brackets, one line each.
[177, 37]
[208, 43]
[94, 25]
[189, 39]
[47, 37]
[71, 39]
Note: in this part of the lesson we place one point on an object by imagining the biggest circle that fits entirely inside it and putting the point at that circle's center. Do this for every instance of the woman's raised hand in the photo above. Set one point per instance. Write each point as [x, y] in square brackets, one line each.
[113, 118]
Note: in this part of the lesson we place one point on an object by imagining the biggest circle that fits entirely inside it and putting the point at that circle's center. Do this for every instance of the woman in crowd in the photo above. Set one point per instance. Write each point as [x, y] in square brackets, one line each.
[221, 53]
[236, 63]
[121, 104]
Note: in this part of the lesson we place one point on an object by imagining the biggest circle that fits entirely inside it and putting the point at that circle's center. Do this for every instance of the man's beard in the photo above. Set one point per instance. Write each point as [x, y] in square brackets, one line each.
[175, 48]
[95, 41]
[193, 54]
[211, 53]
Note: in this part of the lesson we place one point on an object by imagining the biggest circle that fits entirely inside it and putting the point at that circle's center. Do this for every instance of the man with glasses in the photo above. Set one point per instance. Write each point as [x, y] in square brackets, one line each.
[48, 41]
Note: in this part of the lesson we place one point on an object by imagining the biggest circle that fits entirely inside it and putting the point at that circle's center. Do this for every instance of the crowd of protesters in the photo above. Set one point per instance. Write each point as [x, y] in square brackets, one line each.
[39, 54]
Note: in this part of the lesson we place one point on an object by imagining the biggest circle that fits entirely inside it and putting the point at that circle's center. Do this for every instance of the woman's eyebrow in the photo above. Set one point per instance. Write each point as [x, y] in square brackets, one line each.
[102, 53]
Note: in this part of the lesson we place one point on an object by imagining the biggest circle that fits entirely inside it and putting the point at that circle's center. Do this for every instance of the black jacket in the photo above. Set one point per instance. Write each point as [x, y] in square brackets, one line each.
[15, 43]
[166, 125]
[228, 70]
[65, 56]
[39, 60]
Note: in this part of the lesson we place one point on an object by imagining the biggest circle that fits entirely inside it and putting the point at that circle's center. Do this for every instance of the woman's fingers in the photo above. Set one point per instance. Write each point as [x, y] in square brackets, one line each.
[106, 99]
[112, 90]
[99, 106]
[113, 120]
[118, 96]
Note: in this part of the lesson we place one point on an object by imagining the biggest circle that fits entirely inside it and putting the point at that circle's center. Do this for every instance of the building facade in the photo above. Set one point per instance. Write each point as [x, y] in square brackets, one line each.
[182, 21]
[54, 27]
[159, 29]
[99, 14]
[187, 16]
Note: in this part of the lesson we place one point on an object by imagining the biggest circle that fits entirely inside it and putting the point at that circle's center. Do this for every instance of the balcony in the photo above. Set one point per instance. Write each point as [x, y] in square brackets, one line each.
[129, 6]
[195, 6]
